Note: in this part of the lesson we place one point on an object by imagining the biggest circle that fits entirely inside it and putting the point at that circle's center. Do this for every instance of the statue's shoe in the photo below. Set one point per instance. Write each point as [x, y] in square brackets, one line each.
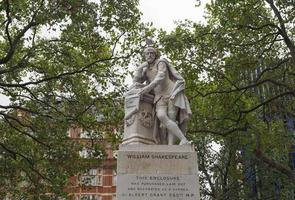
[184, 142]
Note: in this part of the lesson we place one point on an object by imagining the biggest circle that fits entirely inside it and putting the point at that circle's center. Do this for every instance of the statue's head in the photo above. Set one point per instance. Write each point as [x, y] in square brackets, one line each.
[150, 54]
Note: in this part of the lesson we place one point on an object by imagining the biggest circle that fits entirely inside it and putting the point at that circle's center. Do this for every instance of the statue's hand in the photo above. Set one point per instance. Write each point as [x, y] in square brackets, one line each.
[172, 97]
[144, 90]
[143, 65]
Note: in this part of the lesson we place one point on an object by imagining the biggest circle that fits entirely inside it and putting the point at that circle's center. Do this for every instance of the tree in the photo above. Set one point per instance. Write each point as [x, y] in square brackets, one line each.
[60, 65]
[239, 69]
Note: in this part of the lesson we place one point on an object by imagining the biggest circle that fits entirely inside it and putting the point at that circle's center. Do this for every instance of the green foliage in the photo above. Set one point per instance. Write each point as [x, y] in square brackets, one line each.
[62, 64]
[240, 83]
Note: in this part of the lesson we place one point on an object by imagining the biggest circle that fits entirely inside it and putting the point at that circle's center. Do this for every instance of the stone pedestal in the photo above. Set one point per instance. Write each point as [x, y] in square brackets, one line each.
[157, 172]
[139, 119]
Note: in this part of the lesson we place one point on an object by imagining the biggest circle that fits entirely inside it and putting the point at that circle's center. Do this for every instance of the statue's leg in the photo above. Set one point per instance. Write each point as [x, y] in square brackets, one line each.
[172, 114]
[168, 123]
[171, 138]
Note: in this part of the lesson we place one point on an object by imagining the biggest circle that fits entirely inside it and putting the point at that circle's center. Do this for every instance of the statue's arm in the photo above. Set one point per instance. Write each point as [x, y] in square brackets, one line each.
[138, 74]
[162, 70]
[138, 78]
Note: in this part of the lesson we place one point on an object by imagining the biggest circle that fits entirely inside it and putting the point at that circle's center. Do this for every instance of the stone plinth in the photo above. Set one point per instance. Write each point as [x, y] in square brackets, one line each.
[157, 172]
[139, 119]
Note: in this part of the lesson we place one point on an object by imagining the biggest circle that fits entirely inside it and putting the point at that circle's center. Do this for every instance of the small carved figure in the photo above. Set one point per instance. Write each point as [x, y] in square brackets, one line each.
[146, 118]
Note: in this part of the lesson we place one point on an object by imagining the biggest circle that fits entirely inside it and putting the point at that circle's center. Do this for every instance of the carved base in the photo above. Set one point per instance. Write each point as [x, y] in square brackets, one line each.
[139, 126]
[138, 140]
[157, 172]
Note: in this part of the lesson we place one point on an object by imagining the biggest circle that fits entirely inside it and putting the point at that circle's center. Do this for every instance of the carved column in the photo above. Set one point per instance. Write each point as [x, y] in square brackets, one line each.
[139, 118]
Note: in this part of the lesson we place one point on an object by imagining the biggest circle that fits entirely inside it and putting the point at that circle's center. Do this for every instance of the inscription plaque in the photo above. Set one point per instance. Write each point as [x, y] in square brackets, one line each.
[157, 172]
[158, 187]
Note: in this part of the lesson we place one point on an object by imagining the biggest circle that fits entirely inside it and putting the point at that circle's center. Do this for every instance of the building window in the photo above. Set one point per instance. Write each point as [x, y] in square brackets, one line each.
[69, 133]
[84, 153]
[91, 153]
[85, 134]
[115, 154]
[88, 197]
[93, 177]
[90, 134]
[114, 197]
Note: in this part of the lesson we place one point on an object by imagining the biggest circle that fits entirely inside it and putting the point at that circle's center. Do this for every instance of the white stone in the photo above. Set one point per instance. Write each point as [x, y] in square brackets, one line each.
[168, 112]
[157, 172]
[139, 122]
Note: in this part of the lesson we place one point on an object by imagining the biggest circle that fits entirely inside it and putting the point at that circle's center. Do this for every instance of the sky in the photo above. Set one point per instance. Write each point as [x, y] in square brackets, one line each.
[163, 14]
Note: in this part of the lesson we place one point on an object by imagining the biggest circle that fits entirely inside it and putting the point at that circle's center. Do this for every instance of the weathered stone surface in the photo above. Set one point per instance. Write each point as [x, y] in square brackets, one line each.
[157, 187]
[169, 110]
[144, 158]
[157, 172]
[139, 120]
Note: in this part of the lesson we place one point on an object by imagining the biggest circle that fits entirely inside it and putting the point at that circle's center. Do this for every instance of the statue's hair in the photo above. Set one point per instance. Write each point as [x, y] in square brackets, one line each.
[149, 48]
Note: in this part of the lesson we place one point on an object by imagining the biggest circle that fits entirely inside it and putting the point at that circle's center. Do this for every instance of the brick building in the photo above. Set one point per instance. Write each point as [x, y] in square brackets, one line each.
[98, 182]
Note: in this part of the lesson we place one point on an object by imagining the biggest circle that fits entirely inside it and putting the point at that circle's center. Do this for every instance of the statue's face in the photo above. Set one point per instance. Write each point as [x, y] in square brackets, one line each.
[150, 56]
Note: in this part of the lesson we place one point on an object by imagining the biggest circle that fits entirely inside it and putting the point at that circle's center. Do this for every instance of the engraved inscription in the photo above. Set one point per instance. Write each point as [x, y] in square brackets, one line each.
[158, 156]
[159, 187]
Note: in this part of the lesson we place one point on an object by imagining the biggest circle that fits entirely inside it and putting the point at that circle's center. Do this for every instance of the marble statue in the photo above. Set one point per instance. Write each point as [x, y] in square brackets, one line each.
[157, 83]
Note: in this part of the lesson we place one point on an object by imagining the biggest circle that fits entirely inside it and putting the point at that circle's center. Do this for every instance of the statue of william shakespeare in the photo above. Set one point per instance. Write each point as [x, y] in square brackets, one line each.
[156, 109]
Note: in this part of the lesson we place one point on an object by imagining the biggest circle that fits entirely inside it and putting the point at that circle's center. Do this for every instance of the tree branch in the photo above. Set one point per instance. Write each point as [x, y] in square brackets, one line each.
[16, 40]
[12, 153]
[84, 69]
[275, 165]
[240, 26]
[244, 88]
[218, 132]
[282, 29]
[268, 101]
[19, 65]
[25, 133]
[28, 160]
[7, 9]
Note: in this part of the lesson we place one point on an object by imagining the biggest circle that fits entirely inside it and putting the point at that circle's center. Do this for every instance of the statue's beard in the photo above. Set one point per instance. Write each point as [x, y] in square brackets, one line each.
[150, 61]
